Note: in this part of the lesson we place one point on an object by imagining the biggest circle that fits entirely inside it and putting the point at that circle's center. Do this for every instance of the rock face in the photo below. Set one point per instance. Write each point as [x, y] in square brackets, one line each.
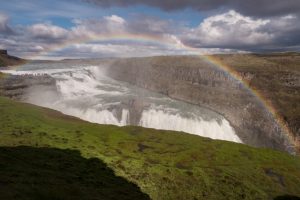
[16, 87]
[196, 81]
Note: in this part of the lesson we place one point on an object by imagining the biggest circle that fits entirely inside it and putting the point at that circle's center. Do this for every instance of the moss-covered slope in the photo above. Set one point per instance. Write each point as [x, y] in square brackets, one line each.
[164, 164]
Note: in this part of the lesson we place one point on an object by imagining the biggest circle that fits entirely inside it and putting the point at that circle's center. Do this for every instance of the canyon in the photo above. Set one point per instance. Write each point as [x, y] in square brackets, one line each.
[194, 80]
[198, 82]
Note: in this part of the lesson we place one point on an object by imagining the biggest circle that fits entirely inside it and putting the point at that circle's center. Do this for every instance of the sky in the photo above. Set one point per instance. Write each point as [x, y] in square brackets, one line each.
[58, 29]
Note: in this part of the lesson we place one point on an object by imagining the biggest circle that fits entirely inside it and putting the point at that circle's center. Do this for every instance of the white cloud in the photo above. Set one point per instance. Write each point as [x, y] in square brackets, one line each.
[233, 30]
[230, 29]
[48, 31]
[115, 19]
[4, 27]
[174, 40]
[3, 19]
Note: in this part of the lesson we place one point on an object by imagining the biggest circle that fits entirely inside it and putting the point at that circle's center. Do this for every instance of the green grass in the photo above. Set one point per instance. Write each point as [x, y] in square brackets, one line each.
[53, 174]
[164, 164]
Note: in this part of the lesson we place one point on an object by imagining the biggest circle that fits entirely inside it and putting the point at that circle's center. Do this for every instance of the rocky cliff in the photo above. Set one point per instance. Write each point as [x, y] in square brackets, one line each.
[17, 87]
[196, 81]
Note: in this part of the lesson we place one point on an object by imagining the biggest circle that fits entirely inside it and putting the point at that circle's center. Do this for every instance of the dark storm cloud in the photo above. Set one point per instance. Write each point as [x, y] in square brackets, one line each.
[246, 7]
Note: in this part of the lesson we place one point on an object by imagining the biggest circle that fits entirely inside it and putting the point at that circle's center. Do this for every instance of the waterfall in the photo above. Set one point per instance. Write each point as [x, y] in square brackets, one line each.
[160, 119]
[86, 93]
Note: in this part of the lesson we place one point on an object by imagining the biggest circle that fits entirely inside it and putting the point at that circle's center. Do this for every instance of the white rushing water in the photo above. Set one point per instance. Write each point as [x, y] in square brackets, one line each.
[161, 120]
[86, 93]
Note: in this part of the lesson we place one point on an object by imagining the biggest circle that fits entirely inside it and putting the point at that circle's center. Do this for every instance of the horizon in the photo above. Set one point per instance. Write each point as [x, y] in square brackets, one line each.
[151, 56]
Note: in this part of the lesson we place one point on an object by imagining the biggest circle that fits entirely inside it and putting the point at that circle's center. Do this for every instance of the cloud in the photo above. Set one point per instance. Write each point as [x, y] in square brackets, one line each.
[38, 39]
[47, 32]
[4, 27]
[152, 25]
[91, 28]
[115, 19]
[220, 33]
[230, 29]
[246, 7]
[233, 30]
[285, 31]
[34, 39]
[134, 49]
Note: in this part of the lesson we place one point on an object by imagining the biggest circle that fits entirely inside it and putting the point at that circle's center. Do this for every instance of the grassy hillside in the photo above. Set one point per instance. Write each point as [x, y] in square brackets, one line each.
[164, 164]
[48, 174]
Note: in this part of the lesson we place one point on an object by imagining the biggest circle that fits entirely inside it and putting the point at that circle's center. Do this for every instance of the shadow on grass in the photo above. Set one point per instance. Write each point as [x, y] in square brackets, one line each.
[287, 197]
[48, 173]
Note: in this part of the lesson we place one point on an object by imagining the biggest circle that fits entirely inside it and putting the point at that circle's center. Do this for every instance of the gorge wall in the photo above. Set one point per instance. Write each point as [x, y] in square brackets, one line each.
[196, 81]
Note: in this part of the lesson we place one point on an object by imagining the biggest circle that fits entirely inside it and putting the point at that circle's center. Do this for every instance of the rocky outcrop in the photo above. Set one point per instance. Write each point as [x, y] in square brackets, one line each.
[196, 81]
[3, 52]
[8, 60]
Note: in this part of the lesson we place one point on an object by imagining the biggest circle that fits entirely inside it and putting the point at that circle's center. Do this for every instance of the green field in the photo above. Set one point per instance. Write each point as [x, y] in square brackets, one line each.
[164, 164]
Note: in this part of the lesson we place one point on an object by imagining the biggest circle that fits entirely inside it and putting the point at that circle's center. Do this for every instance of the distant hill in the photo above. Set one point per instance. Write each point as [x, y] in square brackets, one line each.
[8, 60]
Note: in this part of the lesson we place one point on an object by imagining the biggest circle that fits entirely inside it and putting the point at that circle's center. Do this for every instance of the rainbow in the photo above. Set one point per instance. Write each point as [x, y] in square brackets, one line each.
[254, 91]
[141, 38]
[166, 41]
